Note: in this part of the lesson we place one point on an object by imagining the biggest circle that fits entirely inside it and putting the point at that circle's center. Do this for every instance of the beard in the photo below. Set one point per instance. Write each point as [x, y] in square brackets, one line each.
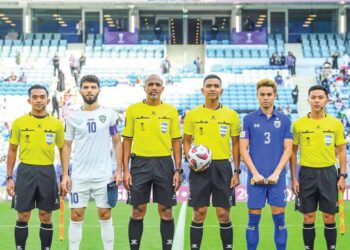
[90, 100]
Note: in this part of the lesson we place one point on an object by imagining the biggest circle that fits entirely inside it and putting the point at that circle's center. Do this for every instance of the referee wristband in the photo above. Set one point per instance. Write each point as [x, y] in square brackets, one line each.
[9, 177]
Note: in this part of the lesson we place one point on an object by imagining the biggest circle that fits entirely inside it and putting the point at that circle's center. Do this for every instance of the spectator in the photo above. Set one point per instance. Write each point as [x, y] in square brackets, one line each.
[273, 59]
[82, 61]
[326, 64]
[346, 60]
[157, 31]
[283, 60]
[22, 78]
[61, 85]
[248, 24]
[290, 62]
[56, 64]
[214, 30]
[76, 74]
[165, 66]
[295, 94]
[55, 106]
[11, 78]
[335, 60]
[278, 79]
[71, 63]
[79, 29]
[197, 62]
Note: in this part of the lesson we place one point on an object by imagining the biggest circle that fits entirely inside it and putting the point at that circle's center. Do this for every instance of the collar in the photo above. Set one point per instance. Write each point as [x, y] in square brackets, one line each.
[274, 112]
[38, 116]
[218, 107]
[309, 115]
[144, 102]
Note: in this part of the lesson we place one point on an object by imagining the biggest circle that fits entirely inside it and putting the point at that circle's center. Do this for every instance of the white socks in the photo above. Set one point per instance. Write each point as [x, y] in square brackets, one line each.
[75, 233]
[107, 234]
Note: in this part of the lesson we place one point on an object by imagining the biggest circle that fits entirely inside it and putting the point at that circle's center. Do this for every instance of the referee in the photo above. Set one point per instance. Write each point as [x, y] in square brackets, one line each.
[151, 135]
[216, 127]
[36, 134]
[319, 135]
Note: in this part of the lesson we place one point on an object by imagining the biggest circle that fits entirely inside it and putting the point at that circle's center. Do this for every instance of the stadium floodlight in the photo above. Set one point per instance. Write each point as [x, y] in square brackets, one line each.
[13, 24]
[55, 15]
[1, 14]
[107, 16]
[8, 21]
[305, 25]
[308, 22]
[5, 18]
[313, 15]
[64, 25]
[310, 19]
[109, 19]
[61, 22]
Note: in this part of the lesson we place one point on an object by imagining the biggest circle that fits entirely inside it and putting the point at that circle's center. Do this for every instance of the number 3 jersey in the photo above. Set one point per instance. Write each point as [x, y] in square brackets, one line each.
[266, 139]
[91, 133]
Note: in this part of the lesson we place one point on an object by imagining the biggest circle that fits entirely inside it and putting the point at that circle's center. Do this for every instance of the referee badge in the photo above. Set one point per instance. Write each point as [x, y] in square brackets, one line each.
[277, 123]
[163, 127]
[102, 118]
[223, 130]
[50, 137]
[328, 139]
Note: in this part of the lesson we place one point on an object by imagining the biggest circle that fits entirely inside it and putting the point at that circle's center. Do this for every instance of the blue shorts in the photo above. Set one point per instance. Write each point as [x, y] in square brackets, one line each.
[276, 195]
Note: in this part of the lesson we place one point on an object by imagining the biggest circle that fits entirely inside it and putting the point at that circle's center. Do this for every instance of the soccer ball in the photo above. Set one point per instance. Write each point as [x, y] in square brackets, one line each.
[199, 156]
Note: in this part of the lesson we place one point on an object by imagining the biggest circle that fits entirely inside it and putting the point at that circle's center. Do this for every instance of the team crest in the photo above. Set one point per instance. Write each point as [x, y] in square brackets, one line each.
[50, 137]
[242, 134]
[102, 118]
[223, 130]
[277, 123]
[163, 127]
[328, 139]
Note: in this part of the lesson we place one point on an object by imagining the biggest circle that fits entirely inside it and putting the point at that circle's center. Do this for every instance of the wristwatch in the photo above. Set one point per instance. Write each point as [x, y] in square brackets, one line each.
[345, 175]
[9, 177]
[180, 170]
[239, 171]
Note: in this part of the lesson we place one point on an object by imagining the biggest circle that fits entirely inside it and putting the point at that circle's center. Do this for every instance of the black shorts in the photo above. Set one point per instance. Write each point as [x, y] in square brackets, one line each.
[36, 187]
[318, 186]
[147, 172]
[213, 181]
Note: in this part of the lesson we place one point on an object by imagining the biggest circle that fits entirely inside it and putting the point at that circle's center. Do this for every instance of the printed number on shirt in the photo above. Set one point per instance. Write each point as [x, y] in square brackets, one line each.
[91, 127]
[267, 138]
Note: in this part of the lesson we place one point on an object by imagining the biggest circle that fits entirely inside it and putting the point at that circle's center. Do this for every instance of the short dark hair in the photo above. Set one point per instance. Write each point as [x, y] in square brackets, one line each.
[89, 78]
[318, 87]
[212, 76]
[37, 86]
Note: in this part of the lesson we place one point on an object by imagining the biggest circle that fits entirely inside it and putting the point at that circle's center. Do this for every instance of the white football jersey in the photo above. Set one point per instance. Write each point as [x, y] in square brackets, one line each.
[91, 133]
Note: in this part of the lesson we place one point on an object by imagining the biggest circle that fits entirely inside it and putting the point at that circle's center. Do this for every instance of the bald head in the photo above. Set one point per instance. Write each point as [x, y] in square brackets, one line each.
[154, 78]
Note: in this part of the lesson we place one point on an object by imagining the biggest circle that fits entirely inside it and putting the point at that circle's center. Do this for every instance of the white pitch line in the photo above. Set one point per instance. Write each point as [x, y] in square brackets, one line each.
[179, 236]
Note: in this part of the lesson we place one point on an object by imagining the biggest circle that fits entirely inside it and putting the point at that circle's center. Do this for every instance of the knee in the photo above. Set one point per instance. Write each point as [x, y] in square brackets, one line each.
[77, 215]
[328, 218]
[23, 217]
[138, 212]
[223, 216]
[165, 213]
[199, 215]
[104, 214]
[45, 217]
[309, 218]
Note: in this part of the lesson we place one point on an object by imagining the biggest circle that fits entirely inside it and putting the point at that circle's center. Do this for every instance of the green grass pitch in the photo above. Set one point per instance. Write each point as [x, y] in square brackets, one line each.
[151, 237]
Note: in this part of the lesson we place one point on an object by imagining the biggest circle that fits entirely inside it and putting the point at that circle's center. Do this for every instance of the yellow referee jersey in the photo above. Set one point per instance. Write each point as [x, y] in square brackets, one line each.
[213, 128]
[36, 138]
[317, 140]
[152, 128]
